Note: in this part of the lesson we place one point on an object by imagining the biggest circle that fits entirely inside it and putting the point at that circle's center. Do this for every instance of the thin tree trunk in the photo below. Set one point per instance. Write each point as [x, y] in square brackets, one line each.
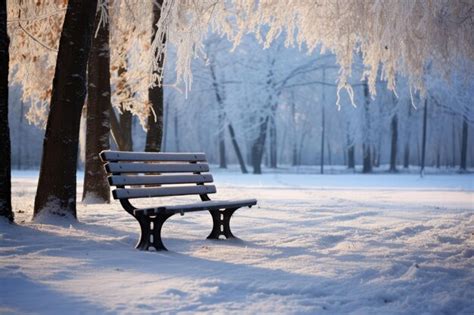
[165, 126]
[57, 181]
[438, 155]
[453, 148]
[243, 168]
[465, 131]
[366, 147]
[301, 145]
[406, 156]
[5, 146]
[221, 137]
[126, 124]
[329, 153]
[367, 159]
[351, 157]
[21, 137]
[294, 154]
[377, 153]
[259, 145]
[423, 144]
[323, 130]
[406, 153]
[221, 118]
[350, 150]
[155, 96]
[273, 143]
[323, 121]
[176, 130]
[96, 187]
[394, 144]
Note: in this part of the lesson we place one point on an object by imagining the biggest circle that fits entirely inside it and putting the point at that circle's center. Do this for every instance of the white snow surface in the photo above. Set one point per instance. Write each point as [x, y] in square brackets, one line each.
[314, 244]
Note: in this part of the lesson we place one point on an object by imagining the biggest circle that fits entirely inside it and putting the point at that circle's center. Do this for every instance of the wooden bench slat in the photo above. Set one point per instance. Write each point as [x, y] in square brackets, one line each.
[204, 205]
[126, 193]
[148, 156]
[159, 179]
[156, 168]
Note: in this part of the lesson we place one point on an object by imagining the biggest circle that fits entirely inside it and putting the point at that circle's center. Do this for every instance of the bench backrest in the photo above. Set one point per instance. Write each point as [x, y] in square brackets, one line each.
[163, 174]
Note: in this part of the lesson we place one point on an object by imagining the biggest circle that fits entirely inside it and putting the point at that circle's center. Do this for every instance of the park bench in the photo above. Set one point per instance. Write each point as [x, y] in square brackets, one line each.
[147, 175]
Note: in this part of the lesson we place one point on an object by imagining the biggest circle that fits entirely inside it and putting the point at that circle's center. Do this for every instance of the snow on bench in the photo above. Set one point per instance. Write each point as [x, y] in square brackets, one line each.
[129, 171]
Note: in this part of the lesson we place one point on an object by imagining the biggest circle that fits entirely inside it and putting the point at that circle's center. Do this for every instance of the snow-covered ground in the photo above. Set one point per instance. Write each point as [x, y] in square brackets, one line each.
[331, 244]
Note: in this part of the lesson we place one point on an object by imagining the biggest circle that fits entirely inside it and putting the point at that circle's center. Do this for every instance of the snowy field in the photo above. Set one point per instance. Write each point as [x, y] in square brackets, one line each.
[332, 244]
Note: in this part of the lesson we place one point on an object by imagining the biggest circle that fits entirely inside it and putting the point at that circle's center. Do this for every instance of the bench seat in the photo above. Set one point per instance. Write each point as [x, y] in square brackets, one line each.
[198, 206]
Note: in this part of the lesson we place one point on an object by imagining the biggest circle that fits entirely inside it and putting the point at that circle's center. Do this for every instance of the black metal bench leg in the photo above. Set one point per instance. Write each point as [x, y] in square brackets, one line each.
[151, 231]
[221, 223]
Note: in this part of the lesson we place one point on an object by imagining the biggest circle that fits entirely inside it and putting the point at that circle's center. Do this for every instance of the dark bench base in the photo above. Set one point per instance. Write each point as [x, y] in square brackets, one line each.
[151, 224]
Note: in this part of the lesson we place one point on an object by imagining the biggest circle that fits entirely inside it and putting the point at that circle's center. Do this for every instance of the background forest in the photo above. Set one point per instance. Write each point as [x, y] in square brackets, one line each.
[296, 93]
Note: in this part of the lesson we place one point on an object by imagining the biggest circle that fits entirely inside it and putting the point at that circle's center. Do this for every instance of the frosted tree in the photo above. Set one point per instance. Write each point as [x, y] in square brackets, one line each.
[392, 36]
[35, 27]
[455, 98]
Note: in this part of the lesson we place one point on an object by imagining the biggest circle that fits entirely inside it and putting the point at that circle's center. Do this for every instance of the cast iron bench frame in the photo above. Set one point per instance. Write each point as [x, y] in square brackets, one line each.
[136, 169]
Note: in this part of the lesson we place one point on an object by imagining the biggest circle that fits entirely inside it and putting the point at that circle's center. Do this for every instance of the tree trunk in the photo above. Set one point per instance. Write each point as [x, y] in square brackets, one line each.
[221, 137]
[323, 120]
[243, 168]
[465, 131]
[165, 126]
[21, 137]
[96, 187]
[258, 146]
[323, 130]
[377, 153]
[367, 159]
[406, 153]
[366, 146]
[57, 181]
[155, 96]
[221, 118]
[176, 130]
[5, 146]
[273, 143]
[351, 156]
[453, 148]
[394, 144]
[126, 124]
[329, 153]
[406, 156]
[350, 149]
[438, 155]
[423, 143]
[294, 153]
